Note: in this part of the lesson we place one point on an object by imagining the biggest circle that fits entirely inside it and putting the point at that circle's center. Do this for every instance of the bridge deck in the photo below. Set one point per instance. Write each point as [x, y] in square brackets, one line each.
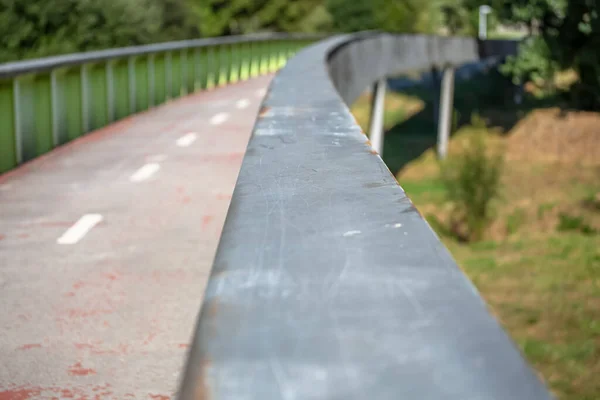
[106, 245]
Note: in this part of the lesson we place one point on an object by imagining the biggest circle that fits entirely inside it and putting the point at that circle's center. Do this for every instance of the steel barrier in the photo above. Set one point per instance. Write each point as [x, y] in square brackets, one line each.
[328, 283]
[47, 102]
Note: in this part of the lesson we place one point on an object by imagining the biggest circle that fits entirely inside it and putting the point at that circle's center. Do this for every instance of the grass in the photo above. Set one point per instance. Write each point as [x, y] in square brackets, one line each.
[538, 267]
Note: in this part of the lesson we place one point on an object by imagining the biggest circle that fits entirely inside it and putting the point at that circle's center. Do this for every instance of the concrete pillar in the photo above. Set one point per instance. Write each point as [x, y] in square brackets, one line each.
[446, 111]
[377, 114]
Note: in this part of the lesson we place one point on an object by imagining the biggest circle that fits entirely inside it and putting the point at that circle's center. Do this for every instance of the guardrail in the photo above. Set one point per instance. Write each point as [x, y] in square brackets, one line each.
[47, 102]
[328, 283]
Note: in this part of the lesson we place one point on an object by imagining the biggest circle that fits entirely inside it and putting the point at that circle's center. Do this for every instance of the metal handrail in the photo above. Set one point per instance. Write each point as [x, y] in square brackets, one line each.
[11, 69]
[50, 101]
[328, 283]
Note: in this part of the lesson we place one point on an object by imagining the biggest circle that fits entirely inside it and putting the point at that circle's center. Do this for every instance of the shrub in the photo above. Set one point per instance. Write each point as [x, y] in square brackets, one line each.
[515, 220]
[574, 223]
[472, 182]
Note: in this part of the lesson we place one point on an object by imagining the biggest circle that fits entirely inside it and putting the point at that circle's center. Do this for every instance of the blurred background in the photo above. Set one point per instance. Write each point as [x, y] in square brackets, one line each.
[517, 201]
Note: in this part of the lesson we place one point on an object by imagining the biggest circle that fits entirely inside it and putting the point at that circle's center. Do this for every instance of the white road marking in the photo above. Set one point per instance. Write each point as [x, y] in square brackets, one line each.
[219, 118]
[75, 233]
[242, 103]
[261, 92]
[187, 139]
[144, 173]
[351, 233]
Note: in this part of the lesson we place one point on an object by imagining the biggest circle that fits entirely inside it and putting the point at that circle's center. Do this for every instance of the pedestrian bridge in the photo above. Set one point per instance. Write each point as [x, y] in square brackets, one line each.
[323, 282]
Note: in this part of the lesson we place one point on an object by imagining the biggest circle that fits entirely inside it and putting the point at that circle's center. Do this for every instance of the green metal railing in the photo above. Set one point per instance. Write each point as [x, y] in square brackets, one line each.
[47, 102]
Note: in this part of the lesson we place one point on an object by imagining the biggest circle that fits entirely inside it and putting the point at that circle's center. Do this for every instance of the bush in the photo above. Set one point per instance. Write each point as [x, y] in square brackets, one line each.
[533, 64]
[472, 182]
[574, 223]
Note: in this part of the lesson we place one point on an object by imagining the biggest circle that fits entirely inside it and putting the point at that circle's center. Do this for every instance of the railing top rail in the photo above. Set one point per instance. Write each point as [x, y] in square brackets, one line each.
[43, 64]
[328, 283]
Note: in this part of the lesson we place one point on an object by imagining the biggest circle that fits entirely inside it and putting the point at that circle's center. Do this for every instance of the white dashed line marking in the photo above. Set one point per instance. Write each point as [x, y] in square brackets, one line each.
[145, 172]
[219, 118]
[75, 233]
[187, 139]
[351, 233]
[242, 103]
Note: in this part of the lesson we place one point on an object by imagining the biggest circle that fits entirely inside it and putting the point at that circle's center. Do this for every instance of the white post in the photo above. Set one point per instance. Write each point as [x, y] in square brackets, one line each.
[446, 111]
[377, 113]
[483, 12]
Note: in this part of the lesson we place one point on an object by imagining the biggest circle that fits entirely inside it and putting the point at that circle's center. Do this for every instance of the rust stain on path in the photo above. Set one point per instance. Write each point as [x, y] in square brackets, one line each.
[19, 394]
[206, 220]
[77, 369]
[30, 346]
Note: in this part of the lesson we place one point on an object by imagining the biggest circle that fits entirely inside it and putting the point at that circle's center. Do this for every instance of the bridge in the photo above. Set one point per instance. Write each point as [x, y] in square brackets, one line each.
[120, 168]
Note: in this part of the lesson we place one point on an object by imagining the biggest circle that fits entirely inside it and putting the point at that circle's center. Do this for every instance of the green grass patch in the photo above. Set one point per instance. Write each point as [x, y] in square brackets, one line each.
[515, 220]
[425, 190]
[539, 272]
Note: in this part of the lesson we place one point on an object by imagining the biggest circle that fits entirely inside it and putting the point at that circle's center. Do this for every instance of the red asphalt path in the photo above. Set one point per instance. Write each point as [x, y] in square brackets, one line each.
[104, 308]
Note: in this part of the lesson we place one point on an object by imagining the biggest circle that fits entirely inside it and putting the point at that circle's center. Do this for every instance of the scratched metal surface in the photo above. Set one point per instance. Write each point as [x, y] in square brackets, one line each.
[328, 283]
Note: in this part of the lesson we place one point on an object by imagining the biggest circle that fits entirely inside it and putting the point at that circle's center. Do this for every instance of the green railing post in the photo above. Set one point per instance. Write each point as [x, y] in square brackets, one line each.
[55, 108]
[184, 72]
[17, 119]
[110, 91]
[222, 74]
[131, 80]
[234, 71]
[273, 52]
[212, 66]
[85, 99]
[169, 75]
[245, 64]
[141, 83]
[197, 69]
[8, 150]
[151, 81]
[255, 60]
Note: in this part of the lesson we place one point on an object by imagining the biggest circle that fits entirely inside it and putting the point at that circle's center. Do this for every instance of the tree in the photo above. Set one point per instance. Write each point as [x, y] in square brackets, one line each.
[575, 39]
[177, 21]
[230, 17]
[400, 16]
[36, 28]
[569, 38]
[352, 16]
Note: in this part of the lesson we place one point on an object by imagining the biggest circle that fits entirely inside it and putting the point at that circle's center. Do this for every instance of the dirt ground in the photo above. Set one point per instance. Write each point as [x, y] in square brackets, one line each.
[554, 135]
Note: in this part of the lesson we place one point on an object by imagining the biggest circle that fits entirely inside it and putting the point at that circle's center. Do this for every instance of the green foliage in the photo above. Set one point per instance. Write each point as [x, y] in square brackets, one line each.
[230, 17]
[36, 28]
[352, 16]
[515, 220]
[533, 63]
[455, 18]
[318, 20]
[178, 23]
[574, 223]
[569, 38]
[544, 208]
[472, 182]
[402, 16]
[576, 40]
